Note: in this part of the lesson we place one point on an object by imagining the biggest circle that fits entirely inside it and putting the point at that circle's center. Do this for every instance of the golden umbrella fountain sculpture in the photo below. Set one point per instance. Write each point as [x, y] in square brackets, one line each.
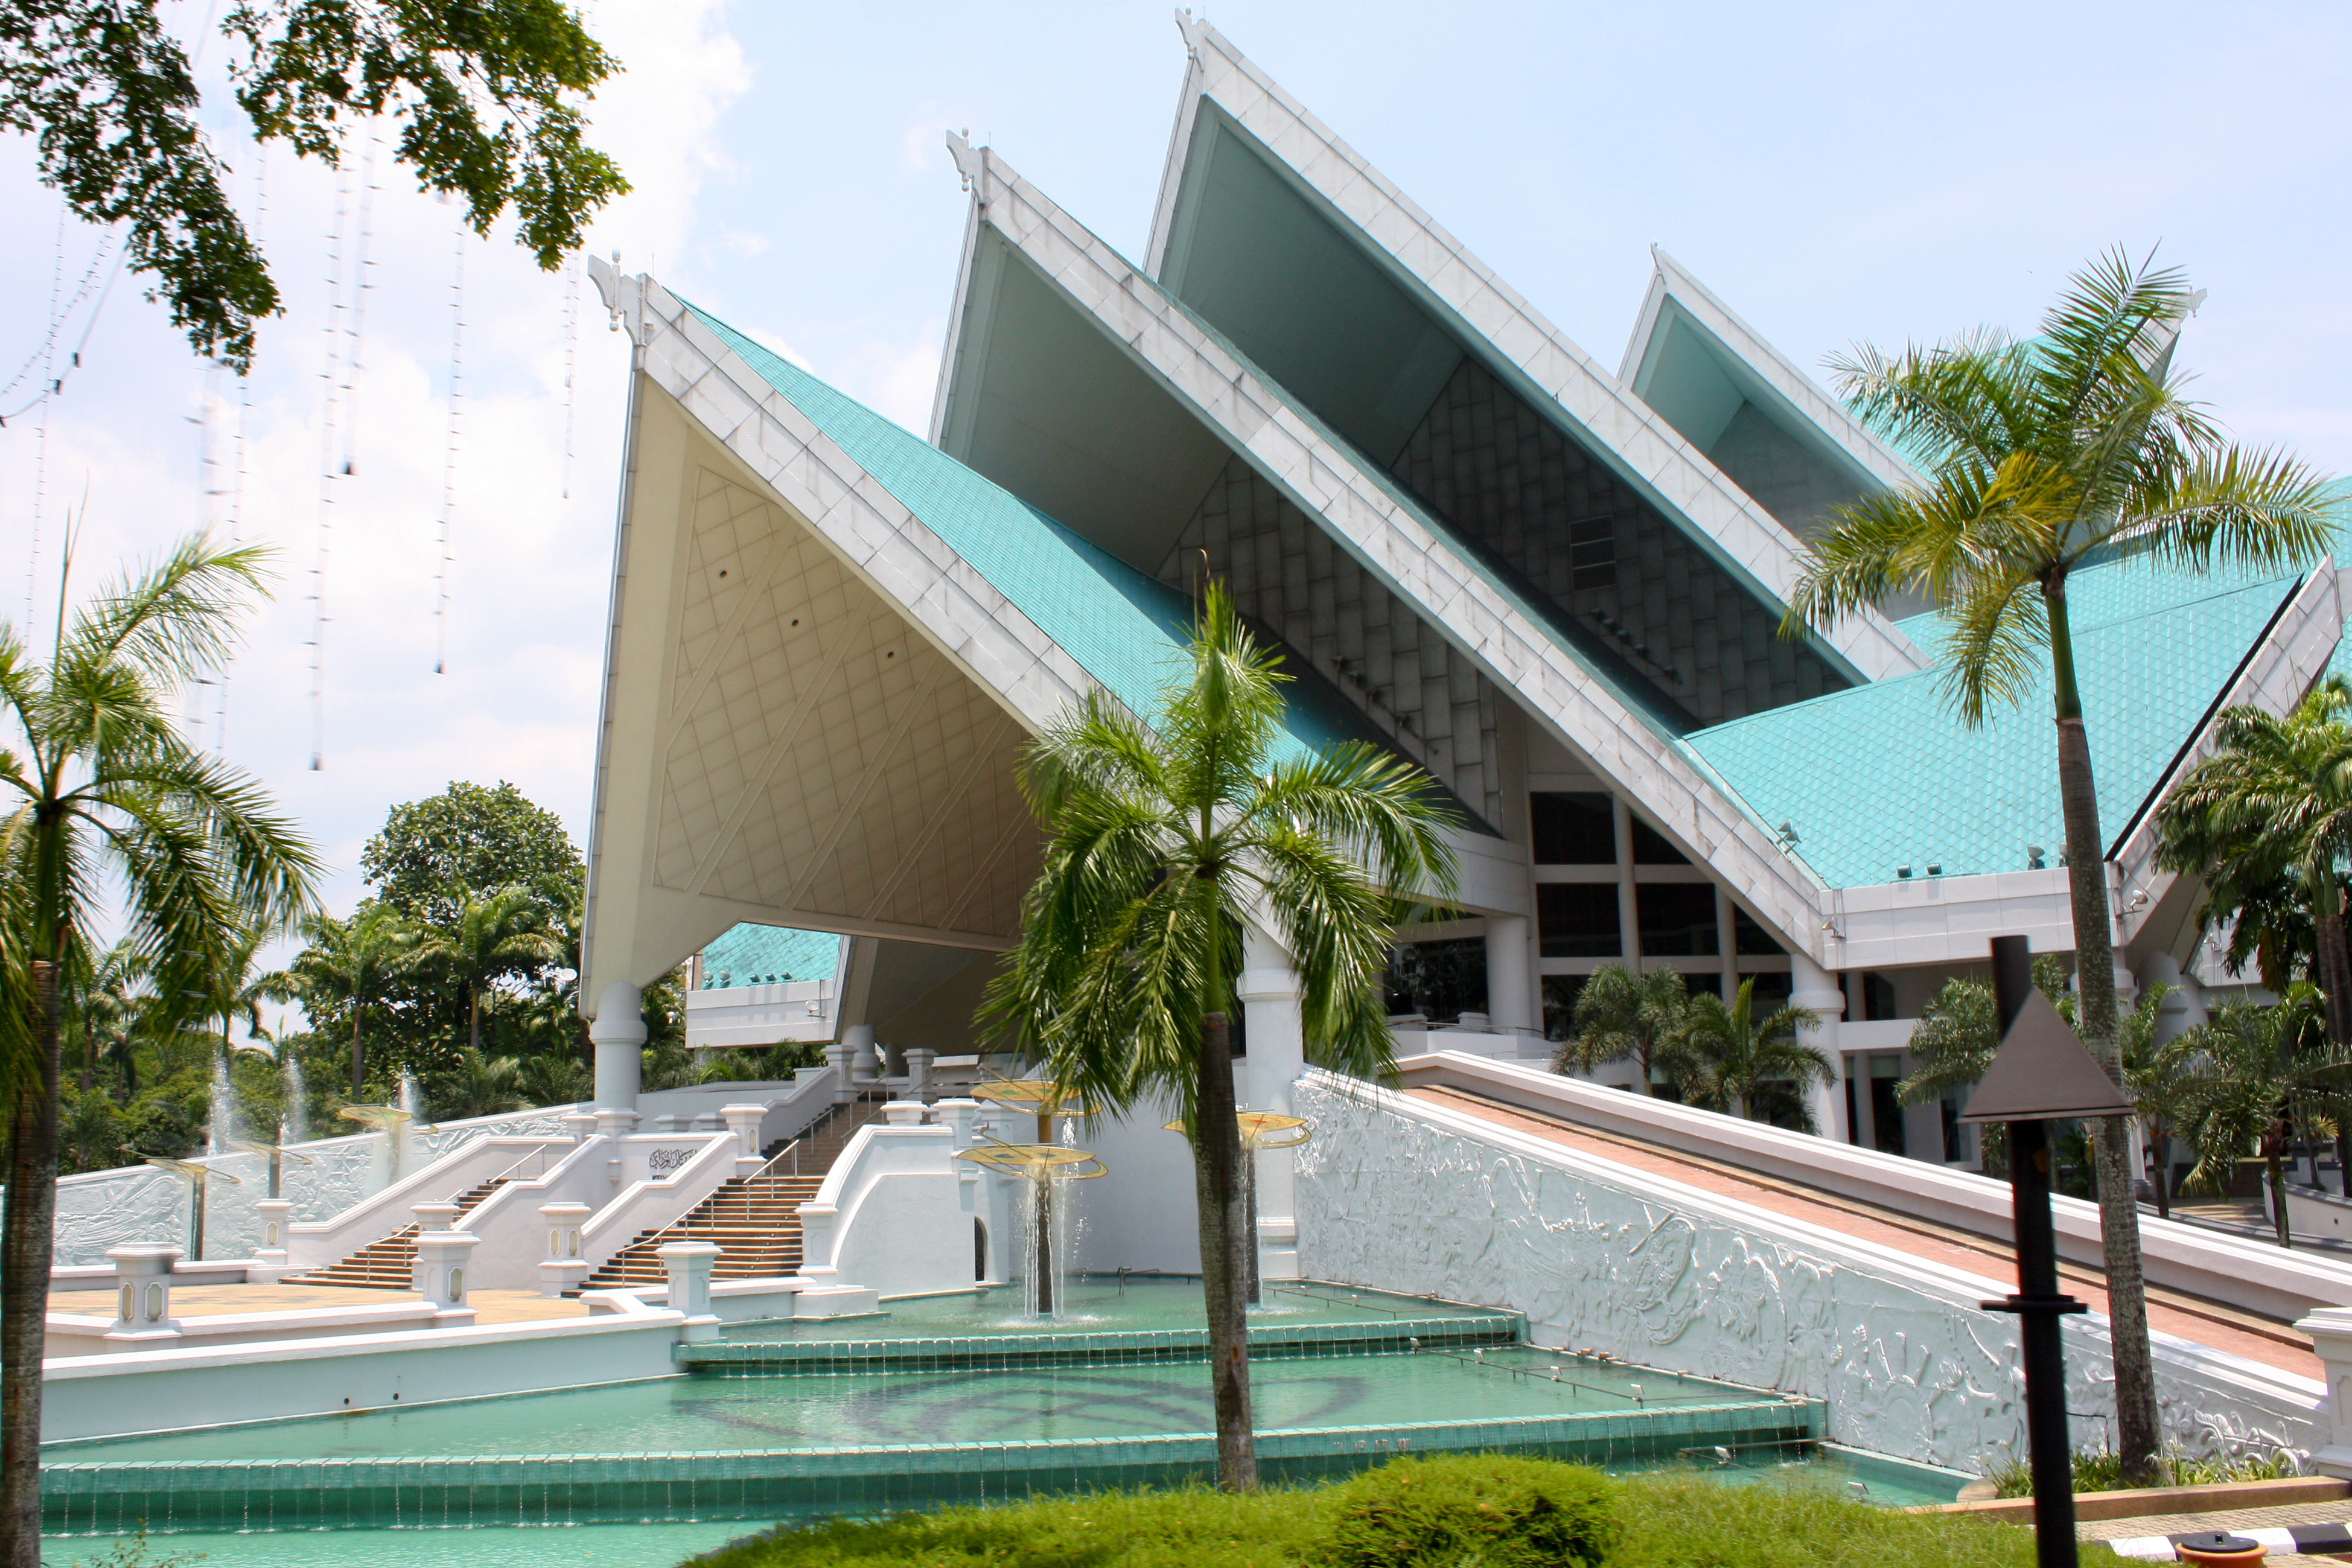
[1039, 1165]
[276, 1153]
[1261, 1129]
[388, 1120]
[196, 1175]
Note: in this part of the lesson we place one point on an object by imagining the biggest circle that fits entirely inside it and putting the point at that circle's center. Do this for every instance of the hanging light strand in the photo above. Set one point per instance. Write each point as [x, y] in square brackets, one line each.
[571, 362]
[449, 463]
[332, 376]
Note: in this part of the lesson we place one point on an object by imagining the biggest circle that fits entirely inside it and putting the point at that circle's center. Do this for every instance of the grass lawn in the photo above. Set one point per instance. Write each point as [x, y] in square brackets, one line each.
[1651, 1522]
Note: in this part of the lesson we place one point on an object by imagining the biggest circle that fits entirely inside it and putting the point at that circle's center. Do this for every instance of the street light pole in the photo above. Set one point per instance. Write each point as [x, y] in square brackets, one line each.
[2042, 1074]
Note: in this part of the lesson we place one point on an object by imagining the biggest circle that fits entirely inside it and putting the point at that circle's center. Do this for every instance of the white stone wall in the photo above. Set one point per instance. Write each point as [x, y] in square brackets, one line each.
[1400, 1195]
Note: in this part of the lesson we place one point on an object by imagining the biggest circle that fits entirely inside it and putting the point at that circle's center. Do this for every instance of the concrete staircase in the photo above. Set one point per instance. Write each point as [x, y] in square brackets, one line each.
[390, 1264]
[754, 1220]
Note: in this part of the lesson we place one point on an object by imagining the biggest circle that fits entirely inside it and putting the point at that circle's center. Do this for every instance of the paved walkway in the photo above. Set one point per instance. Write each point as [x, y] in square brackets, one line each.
[2207, 1323]
[2233, 1519]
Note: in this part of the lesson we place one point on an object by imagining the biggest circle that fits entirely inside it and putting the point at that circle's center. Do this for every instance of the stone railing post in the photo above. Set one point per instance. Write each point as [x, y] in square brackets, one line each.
[142, 1272]
[440, 1272]
[743, 1120]
[2330, 1329]
[903, 1112]
[562, 1269]
[689, 1264]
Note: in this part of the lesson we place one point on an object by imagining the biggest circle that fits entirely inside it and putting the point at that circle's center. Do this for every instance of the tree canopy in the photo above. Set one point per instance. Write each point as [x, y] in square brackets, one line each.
[435, 854]
[487, 96]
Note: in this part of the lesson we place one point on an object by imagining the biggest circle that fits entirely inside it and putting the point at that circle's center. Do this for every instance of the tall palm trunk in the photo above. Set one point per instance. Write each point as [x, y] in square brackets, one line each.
[2335, 963]
[2139, 1436]
[359, 1053]
[28, 1219]
[1224, 1230]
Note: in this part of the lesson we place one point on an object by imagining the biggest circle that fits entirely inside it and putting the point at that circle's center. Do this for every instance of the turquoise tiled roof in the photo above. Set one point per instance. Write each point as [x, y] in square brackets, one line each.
[768, 955]
[1886, 775]
[1125, 629]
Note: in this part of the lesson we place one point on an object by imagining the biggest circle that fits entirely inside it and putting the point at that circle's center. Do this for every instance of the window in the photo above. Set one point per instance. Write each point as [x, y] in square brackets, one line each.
[1578, 920]
[1650, 848]
[1885, 1108]
[1750, 937]
[1678, 920]
[1574, 829]
[1592, 554]
[1560, 991]
[1439, 980]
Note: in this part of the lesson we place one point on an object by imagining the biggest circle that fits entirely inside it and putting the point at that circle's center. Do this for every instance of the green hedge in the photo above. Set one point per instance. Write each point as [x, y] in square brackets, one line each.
[1638, 1521]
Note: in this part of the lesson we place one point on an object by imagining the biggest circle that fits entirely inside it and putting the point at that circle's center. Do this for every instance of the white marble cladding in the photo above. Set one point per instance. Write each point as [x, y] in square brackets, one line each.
[1400, 1194]
[722, 1017]
[99, 1209]
[1672, 280]
[1396, 669]
[1398, 546]
[1651, 452]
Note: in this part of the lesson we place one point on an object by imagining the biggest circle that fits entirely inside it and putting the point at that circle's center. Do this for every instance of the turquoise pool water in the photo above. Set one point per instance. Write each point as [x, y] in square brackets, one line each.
[710, 1414]
[1141, 1303]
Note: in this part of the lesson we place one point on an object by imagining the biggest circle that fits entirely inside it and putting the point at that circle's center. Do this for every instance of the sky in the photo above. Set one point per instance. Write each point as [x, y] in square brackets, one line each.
[1835, 172]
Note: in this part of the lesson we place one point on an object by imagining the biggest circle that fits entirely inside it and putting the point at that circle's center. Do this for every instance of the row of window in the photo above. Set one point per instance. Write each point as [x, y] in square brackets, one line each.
[1675, 920]
[1581, 829]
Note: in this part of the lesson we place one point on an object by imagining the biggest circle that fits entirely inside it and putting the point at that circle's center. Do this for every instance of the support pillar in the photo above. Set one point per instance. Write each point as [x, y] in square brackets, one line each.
[1268, 988]
[619, 1034]
[1815, 988]
[689, 1264]
[1510, 978]
[142, 1272]
[862, 1063]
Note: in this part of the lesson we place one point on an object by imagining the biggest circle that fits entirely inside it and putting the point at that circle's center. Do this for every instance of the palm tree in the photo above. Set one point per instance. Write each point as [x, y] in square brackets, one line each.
[2041, 458]
[2244, 1079]
[1163, 839]
[110, 810]
[495, 934]
[484, 1085]
[351, 962]
[2153, 1077]
[1619, 1014]
[110, 1002]
[2270, 812]
[1725, 1059]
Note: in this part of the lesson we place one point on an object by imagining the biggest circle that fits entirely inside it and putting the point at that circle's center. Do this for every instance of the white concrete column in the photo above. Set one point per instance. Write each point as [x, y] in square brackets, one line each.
[2330, 1329]
[1510, 977]
[1629, 908]
[743, 1120]
[919, 1067]
[862, 1063]
[562, 1269]
[689, 1265]
[2185, 1008]
[142, 1273]
[1816, 988]
[1278, 1057]
[619, 1034]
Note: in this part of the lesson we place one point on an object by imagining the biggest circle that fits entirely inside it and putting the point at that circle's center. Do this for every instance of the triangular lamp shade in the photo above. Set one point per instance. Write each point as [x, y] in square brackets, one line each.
[2044, 1073]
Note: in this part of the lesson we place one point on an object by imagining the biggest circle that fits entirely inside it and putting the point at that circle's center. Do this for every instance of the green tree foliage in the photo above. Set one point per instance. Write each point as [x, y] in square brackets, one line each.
[436, 854]
[347, 967]
[109, 810]
[2041, 458]
[2244, 1080]
[1454, 1509]
[1621, 1015]
[486, 98]
[1162, 841]
[2266, 824]
[1726, 1058]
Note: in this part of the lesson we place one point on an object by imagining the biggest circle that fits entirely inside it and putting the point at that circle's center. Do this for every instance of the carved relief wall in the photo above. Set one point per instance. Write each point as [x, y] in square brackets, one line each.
[1391, 1199]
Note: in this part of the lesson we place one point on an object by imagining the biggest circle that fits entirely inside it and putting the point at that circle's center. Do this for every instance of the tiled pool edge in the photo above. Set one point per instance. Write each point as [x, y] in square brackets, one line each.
[1111, 1347]
[165, 1496]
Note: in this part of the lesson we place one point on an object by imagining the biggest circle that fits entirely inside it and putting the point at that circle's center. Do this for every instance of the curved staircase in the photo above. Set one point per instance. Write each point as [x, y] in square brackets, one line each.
[755, 1220]
[390, 1263]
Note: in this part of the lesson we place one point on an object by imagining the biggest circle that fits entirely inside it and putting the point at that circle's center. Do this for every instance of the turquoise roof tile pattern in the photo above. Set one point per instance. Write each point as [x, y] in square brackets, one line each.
[768, 955]
[1880, 776]
[1126, 630]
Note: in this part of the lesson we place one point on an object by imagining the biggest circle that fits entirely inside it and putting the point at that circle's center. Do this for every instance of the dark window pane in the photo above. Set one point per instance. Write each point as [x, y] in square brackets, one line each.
[1678, 920]
[1560, 991]
[1573, 830]
[1439, 980]
[1750, 937]
[1650, 848]
[1578, 920]
[1886, 1116]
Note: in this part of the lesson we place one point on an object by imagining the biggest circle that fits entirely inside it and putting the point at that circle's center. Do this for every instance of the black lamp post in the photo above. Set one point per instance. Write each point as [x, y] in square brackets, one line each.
[2042, 1074]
